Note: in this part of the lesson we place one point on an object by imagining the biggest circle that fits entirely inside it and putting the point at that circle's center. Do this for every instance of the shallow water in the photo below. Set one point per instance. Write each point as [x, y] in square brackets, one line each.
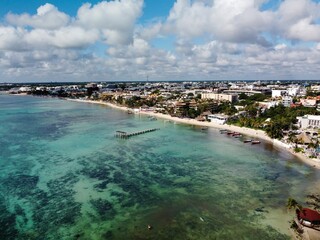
[64, 175]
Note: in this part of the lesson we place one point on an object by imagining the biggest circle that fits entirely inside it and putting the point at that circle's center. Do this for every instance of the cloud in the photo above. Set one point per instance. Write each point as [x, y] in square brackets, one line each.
[298, 20]
[116, 19]
[199, 39]
[47, 17]
[111, 22]
[10, 38]
[243, 21]
[227, 20]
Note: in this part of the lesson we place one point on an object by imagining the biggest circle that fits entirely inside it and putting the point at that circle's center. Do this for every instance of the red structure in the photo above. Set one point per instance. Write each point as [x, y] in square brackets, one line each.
[309, 218]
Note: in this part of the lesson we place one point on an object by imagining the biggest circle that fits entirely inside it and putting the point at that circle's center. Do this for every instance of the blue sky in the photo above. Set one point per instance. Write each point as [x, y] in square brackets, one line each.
[167, 40]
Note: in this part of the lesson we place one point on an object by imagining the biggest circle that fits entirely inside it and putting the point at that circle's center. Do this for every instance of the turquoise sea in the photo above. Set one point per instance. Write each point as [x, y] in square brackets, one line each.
[63, 175]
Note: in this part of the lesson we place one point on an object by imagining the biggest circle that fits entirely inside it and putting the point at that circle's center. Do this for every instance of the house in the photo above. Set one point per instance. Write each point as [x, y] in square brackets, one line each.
[218, 118]
[309, 102]
[309, 121]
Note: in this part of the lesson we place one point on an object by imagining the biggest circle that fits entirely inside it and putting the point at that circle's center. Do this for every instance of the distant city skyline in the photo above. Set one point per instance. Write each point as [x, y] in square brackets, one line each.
[129, 40]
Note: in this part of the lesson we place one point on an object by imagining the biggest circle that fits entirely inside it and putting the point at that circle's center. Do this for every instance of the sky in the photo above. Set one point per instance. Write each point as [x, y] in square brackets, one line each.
[132, 40]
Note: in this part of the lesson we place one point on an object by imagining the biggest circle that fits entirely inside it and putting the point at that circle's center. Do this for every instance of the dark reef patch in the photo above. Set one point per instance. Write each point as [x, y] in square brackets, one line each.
[103, 208]
[20, 185]
[8, 230]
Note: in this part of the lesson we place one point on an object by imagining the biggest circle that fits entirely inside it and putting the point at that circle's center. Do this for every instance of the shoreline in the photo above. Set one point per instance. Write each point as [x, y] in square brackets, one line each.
[259, 134]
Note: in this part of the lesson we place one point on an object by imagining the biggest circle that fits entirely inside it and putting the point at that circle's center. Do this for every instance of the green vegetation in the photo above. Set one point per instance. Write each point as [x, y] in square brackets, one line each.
[247, 100]
[297, 150]
[293, 204]
[274, 120]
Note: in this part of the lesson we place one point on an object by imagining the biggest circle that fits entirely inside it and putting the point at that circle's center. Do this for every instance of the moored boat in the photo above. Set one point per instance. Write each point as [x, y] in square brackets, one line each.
[255, 142]
[247, 140]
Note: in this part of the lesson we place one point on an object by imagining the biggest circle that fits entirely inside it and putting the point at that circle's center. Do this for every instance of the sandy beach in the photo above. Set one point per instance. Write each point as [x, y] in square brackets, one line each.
[258, 134]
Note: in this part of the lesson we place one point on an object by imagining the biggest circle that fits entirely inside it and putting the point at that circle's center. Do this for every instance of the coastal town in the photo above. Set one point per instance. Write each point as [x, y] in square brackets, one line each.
[284, 113]
[287, 112]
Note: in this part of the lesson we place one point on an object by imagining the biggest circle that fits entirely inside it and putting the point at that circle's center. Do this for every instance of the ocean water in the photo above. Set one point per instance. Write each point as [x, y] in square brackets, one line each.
[64, 175]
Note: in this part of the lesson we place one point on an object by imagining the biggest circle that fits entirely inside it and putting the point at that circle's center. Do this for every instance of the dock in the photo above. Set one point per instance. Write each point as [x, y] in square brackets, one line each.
[122, 134]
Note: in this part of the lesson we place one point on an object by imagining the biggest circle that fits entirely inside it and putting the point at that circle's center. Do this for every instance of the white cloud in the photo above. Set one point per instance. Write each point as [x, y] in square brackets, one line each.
[47, 17]
[10, 38]
[296, 20]
[116, 19]
[112, 22]
[228, 20]
[213, 39]
[304, 30]
[242, 21]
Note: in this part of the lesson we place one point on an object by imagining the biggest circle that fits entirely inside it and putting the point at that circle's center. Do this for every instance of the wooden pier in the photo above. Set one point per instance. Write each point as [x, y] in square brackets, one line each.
[121, 134]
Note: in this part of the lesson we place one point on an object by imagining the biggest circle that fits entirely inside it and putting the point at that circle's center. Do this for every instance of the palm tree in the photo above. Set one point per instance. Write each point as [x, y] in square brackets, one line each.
[293, 204]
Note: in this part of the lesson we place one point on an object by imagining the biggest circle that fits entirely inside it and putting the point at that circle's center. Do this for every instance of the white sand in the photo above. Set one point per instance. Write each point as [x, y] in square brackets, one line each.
[243, 130]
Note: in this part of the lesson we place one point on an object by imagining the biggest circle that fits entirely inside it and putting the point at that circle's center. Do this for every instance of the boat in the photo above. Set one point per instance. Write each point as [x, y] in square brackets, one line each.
[230, 133]
[237, 136]
[247, 140]
[255, 142]
[309, 218]
[152, 118]
[223, 131]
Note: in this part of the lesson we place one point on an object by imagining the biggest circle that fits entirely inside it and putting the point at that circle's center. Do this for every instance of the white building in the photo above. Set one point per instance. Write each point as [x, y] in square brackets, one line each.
[279, 93]
[315, 88]
[268, 104]
[218, 118]
[308, 102]
[220, 97]
[309, 121]
[293, 90]
[286, 101]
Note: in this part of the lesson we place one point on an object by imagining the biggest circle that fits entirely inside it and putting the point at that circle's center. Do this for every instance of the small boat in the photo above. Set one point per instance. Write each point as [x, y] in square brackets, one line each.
[230, 133]
[255, 142]
[237, 136]
[223, 131]
[204, 128]
[152, 118]
[247, 140]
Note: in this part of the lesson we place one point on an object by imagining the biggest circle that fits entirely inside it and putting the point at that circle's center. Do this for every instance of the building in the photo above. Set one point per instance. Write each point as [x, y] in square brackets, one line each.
[308, 102]
[315, 88]
[218, 118]
[279, 93]
[309, 121]
[287, 101]
[220, 97]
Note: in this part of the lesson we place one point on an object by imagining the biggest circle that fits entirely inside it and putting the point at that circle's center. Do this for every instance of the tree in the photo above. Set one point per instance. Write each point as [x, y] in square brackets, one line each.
[243, 96]
[293, 204]
[252, 110]
[274, 130]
